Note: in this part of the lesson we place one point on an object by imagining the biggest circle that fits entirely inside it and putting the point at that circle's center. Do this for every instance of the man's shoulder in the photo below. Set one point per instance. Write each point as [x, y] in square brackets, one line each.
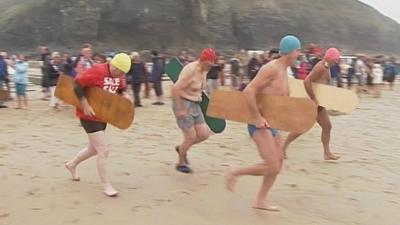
[270, 66]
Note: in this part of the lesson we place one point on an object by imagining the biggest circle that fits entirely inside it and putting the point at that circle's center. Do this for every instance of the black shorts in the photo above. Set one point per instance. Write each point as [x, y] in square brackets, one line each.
[92, 126]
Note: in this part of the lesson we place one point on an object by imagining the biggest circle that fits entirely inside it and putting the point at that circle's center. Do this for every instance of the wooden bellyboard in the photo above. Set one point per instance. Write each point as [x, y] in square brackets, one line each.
[330, 97]
[111, 108]
[296, 115]
[173, 69]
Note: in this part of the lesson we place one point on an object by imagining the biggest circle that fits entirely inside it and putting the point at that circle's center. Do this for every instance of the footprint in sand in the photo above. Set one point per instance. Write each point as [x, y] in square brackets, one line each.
[5, 215]
[136, 208]
[1, 164]
[162, 200]
[35, 209]
[229, 154]
[123, 174]
[43, 152]
[292, 185]
[159, 202]
[32, 192]
[353, 199]
[185, 193]
[304, 171]
[75, 221]
[394, 202]
[389, 192]
[166, 163]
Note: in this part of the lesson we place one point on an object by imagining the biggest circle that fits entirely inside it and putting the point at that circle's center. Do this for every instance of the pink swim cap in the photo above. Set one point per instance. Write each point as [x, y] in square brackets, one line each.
[332, 53]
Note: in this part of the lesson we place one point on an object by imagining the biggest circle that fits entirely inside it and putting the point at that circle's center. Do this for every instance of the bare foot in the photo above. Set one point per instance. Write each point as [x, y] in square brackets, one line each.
[230, 181]
[266, 207]
[331, 156]
[72, 170]
[110, 191]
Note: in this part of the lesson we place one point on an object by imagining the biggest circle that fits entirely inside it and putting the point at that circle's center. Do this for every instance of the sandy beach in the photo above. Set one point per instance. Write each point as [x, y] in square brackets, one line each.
[362, 188]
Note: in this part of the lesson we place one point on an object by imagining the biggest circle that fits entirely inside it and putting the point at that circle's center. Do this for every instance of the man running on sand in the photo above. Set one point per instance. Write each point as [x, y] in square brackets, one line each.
[272, 79]
[186, 105]
[110, 77]
[320, 74]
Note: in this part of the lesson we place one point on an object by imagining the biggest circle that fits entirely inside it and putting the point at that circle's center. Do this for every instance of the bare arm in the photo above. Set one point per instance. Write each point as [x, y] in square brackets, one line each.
[314, 75]
[264, 76]
[80, 93]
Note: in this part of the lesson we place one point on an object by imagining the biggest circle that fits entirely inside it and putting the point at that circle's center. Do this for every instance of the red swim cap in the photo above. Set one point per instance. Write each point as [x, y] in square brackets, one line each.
[208, 54]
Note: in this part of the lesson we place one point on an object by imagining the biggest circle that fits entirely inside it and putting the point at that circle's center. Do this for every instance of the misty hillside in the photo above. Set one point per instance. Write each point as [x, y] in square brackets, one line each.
[173, 24]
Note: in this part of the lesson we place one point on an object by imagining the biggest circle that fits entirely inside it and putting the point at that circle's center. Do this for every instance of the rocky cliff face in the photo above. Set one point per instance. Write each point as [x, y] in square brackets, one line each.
[174, 24]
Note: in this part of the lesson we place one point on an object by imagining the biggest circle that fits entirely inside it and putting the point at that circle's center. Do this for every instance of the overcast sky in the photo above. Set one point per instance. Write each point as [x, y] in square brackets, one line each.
[387, 7]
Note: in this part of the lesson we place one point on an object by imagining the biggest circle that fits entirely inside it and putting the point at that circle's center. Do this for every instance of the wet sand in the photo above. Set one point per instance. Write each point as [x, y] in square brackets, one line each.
[362, 188]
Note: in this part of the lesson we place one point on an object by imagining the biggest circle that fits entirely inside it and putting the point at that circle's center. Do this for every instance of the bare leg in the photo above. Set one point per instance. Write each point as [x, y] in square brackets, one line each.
[325, 123]
[290, 138]
[192, 136]
[189, 138]
[19, 100]
[271, 153]
[83, 155]
[202, 133]
[99, 143]
[26, 102]
[377, 90]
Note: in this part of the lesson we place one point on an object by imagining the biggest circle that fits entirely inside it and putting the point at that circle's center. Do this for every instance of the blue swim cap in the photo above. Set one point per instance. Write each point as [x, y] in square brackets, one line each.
[289, 44]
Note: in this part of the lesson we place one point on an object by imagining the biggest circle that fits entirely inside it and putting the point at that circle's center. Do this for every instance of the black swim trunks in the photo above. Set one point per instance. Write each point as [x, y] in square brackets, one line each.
[92, 126]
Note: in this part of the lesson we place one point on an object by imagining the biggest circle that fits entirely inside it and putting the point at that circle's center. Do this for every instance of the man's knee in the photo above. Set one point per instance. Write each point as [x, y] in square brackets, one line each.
[190, 137]
[102, 150]
[274, 168]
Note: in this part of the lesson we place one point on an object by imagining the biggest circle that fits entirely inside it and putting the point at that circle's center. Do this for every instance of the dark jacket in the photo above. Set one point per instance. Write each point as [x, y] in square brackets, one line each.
[68, 68]
[157, 70]
[253, 68]
[137, 73]
[213, 74]
[53, 72]
[235, 67]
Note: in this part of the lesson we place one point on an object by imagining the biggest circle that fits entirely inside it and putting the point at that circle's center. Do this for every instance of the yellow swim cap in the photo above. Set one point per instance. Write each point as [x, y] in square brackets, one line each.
[122, 62]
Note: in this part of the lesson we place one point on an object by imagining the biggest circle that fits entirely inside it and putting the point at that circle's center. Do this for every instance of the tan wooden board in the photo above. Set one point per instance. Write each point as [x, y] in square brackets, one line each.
[330, 97]
[111, 108]
[296, 115]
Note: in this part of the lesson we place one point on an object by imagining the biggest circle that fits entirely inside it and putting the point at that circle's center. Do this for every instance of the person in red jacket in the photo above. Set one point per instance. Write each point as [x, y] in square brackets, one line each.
[110, 77]
[303, 69]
